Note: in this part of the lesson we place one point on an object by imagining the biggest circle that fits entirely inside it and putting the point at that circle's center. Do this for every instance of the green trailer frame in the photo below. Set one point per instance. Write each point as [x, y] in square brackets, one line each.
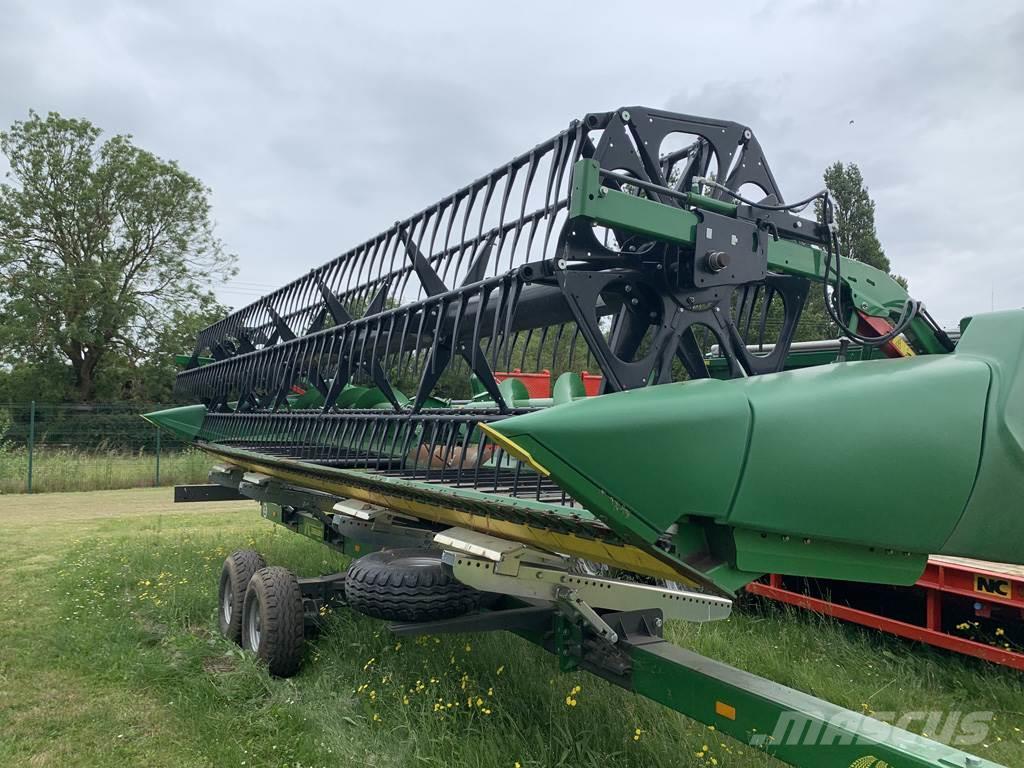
[793, 727]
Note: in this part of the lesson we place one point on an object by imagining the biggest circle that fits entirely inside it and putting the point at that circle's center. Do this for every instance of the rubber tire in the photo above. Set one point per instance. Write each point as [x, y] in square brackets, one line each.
[238, 569]
[407, 585]
[274, 593]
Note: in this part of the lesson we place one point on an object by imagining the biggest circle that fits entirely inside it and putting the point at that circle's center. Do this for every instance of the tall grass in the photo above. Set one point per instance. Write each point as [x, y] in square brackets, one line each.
[112, 658]
[69, 469]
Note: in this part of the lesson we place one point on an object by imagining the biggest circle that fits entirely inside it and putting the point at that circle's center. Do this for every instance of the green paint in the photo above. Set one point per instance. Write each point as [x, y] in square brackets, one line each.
[813, 732]
[311, 527]
[182, 360]
[990, 527]
[872, 291]
[568, 387]
[184, 422]
[682, 459]
[711, 204]
[858, 463]
[590, 200]
[758, 551]
[719, 366]
[272, 512]
[513, 390]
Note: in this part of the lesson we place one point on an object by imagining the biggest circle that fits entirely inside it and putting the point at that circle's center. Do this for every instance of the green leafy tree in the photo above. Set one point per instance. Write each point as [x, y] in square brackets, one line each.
[855, 216]
[150, 378]
[103, 248]
[858, 239]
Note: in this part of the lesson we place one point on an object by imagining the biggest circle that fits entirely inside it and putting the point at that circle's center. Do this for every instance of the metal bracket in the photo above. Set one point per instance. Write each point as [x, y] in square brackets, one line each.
[377, 526]
[497, 565]
[506, 555]
[570, 600]
[227, 475]
[362, 510]
[257, 486]
[318, 592]
[206, 492]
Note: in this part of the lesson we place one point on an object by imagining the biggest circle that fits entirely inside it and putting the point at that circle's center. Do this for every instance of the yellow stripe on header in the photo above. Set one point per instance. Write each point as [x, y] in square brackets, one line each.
[512, 448]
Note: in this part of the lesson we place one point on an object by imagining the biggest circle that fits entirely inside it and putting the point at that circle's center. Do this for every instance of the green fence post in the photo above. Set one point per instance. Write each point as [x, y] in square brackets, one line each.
[31, 440]
[157, 457]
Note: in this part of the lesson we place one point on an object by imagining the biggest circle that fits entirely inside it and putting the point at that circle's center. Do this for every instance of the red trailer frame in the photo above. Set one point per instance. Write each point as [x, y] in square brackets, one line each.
[989, 585]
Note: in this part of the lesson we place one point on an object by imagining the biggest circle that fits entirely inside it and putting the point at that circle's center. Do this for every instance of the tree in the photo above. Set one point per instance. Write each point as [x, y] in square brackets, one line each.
[103, 246]
[855, 215]
[858, 239]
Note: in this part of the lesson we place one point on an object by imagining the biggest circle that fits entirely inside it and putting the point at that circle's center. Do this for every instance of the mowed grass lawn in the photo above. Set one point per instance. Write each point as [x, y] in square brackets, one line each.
[109, 656]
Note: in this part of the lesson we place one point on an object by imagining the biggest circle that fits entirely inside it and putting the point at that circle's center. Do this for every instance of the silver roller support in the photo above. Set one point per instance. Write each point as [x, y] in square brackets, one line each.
[492, 564]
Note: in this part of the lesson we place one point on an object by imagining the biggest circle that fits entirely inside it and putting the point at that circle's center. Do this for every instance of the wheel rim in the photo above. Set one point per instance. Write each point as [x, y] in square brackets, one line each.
[253, 627]
[226, 608]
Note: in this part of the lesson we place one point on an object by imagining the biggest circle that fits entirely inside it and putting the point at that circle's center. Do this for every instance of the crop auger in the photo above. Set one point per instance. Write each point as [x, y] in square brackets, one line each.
[369, 404]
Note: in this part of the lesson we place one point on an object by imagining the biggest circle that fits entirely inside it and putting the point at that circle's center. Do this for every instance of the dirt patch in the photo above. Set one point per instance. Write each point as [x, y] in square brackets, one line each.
[219, 665]
[37, 508]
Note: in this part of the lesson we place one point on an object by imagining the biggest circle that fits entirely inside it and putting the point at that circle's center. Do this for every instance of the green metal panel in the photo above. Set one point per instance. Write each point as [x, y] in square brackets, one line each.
[272, 512]
[842, 458]
[873, 291]
[879, 452]
[992, 521]
[311, 527]
[759, 551]
[792, 726]
[617, 209]
[311, 398]
[851, 452]
[568, 387]
[646, 456]
[719, 366]
[184, 422]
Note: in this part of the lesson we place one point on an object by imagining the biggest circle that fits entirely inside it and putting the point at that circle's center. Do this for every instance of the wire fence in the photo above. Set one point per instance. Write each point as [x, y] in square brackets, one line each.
[82, 447]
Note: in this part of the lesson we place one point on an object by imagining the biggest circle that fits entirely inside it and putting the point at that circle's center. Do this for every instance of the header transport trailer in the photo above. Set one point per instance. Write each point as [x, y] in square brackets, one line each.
[360, 405]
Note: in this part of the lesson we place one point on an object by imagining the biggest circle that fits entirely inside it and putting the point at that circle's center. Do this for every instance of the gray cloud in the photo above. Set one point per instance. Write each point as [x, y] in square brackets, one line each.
[318, 126]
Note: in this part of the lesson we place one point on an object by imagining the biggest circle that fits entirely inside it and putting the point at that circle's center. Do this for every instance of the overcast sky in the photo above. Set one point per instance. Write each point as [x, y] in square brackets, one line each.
[318, 124]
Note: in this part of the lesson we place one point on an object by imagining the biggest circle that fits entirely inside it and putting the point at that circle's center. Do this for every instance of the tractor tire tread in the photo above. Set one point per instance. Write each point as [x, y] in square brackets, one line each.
[237, 571]
[382, 586]
[282, 623]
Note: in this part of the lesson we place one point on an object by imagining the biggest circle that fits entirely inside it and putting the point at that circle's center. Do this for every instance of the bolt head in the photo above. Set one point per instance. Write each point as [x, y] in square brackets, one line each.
[603, 191]
[625, 115]
[716, 261]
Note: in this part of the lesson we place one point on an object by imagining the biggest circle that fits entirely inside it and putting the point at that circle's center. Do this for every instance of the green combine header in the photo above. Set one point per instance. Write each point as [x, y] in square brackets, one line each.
[364, 404]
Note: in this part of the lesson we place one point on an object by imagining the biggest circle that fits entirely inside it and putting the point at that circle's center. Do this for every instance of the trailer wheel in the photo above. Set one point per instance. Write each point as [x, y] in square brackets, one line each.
[272, 620]
[238, 569]
[407, 585]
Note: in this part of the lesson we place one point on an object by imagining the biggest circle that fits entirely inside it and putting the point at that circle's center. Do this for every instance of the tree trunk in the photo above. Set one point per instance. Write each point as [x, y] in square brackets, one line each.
[84, 365]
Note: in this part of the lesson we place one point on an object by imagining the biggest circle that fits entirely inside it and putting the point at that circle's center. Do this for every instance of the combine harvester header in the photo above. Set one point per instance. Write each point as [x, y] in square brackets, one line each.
[629, 243]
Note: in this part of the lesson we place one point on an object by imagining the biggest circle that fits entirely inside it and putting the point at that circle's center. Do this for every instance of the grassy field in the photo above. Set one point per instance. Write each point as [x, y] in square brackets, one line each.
[57, 470]
[109, 656]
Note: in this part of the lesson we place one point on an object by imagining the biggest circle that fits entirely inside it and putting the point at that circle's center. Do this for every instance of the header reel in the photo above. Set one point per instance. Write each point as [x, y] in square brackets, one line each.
[530, 267]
